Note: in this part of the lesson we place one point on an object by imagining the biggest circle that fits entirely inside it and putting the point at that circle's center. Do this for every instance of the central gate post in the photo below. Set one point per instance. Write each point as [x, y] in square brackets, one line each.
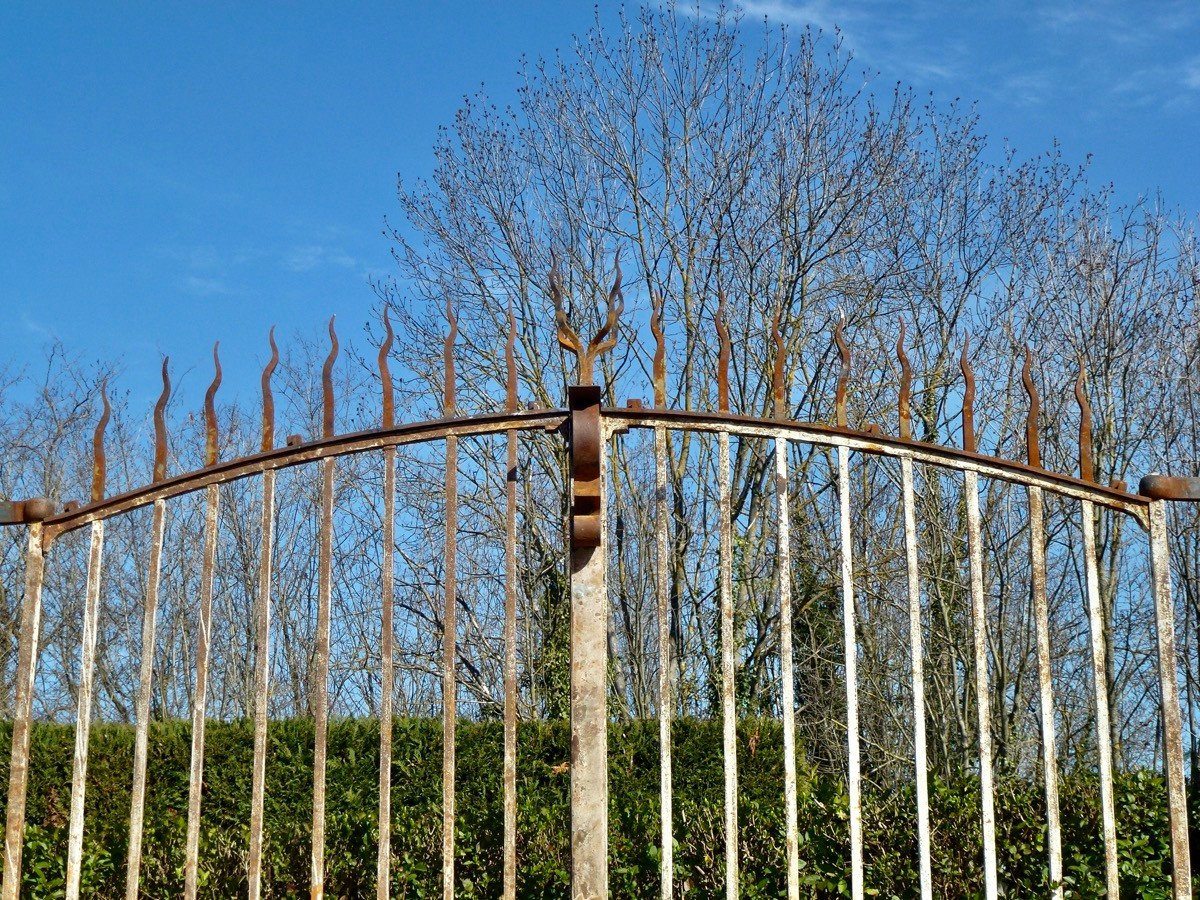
[589, 651]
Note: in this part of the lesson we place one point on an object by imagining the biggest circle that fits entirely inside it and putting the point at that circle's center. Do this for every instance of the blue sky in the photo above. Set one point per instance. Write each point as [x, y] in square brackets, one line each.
[176, 173]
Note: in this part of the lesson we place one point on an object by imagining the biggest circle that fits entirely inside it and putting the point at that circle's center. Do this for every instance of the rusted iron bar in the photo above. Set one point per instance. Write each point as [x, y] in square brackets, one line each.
[25, 512]
[18, 766]
[87, 663]
[383, 859]
[982, 690]
[589, 651]
[1170, 487]
[1168, 680]
[666, 699]
[510, 620]
[915, 631]
[262, 632]
[1041, 618]
[728, 667]
[450, 620]
[137, 806]
[850, 646]
[606, 336]
[203, 638]
[320, 675]
[787, 664]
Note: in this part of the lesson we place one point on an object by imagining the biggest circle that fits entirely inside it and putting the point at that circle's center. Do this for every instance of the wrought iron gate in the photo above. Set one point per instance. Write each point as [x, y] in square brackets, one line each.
[589, 430]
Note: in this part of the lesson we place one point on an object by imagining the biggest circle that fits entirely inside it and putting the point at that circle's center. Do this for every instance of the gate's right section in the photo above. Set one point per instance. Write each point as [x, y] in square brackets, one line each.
[884, 667]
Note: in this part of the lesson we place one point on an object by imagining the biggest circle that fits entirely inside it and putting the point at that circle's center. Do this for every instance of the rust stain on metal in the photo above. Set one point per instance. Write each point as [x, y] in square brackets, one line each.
[968, 407]
[1087, 468]
[510, 660]
[385, 373]
[666, 702]
[585, 439]
[786, 666]
[25, 512]
[210, 411]
[905, 400]
[843, 383]
[268, 399]
[449, 403]
[327, 382]
[1032, 443]
[449, 667]
[1169, 487]
[387, 680]
[99, 461]
[777, 386]
[160, 424]
[728, 667]
[510, 362]
[262, 681]
[606, 336]
[723, 355]
[660, 352]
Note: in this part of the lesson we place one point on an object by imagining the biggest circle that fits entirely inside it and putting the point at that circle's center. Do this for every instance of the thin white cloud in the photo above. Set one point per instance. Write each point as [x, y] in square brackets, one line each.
[312, 256]
[206, 287]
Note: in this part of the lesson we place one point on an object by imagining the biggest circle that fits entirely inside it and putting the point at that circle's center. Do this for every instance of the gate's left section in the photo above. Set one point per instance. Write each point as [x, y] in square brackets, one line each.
[313, 663]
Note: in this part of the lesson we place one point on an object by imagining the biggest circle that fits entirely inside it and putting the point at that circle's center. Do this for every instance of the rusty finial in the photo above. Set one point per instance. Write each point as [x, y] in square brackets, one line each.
[99, 462]
[160, 424]
[510, 361]
[327, 381]
[660, 351]
[905, 387]
[1035, 406]
[448, 396]
[777, 370]
[839, 402]
[268, 403]
[210, 411]
[385, 374]
[723, 355]
[968, 407]
[606, 336]
[1087, 469]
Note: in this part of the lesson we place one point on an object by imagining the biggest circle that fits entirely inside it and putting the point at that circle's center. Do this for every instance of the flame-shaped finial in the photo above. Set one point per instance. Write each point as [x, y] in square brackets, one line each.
[1087, 468]
[1035, 406]
[905, 400]
[606, 336]
[99, 461]
[210, 410]
[160, 424]
[449, 403]
[510, 361]
[268, 399]
[968, 407]
[839, 402]
[777, 370]
[660, 351]
[327, 382]
[385, 374]
[722, 355]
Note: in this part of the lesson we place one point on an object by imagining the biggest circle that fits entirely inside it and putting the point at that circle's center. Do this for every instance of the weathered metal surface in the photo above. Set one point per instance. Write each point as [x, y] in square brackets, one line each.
[262, 632]
[510, 621]
[383, 857]
[133, 860]
[1041, 618]
[1170, 487]
[18, 766]
[666, 699]
[1172, 721]
[25, 512]
[1032, 444]
[589, 669]
[450, 621]
[605, 337]
[983, 703]
[728, 666]
[787, 665]
[968, 404]
[850, 648]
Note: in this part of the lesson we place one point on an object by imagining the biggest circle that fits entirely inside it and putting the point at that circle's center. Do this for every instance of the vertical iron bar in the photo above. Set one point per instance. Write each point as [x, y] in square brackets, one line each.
[850, 643]
[665, 698]
[200, 698]
[18, 767]
[83, 715]
[589, 649]
[1041, 615]
[1097, 627]
[320, 685]
[137, 805]
[917, 651]
[262, 682]
[510, 673]
[1168, 680]
[449, 660]
[787, 673]
[979, 627]
[383, 863]
[728, 669]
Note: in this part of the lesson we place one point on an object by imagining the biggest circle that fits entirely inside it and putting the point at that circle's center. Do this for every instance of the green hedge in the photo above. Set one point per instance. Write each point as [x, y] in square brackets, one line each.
[543, 816]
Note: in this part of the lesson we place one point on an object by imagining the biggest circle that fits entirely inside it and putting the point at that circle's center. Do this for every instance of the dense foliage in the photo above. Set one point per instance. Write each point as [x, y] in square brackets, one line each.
[543, 815]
